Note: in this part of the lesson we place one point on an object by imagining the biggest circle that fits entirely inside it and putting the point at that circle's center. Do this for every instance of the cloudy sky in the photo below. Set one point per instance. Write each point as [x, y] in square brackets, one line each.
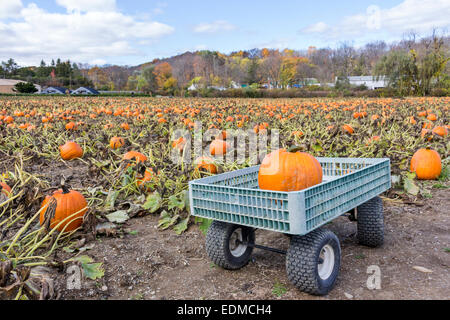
[136, 31]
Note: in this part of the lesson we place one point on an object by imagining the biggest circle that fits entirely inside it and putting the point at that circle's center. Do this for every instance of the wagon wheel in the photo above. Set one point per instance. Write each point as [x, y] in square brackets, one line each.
[313, 261]
[228, 245]
[370, 223]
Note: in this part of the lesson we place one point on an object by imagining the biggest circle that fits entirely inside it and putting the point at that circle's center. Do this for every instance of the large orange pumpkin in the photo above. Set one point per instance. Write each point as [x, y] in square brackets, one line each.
[291, 170]
[222, 135]
[70, 150]
[426, 163]
[218, 147]
[69, 203]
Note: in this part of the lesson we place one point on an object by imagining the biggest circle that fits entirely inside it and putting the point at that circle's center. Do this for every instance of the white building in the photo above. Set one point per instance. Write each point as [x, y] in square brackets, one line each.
[193, 87]
[7, 85]
[54, 90]
[234, 85]
[369, 81]
[84, 90]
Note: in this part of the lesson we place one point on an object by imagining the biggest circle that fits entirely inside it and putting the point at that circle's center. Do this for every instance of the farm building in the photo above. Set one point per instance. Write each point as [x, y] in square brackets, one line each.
[54, 90]
[193, 87]
[84, 90]
[309, 82]
[369, 81]
[7, 85]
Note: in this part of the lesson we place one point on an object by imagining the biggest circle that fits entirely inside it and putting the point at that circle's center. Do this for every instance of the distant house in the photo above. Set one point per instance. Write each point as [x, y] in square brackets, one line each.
[235, 85]
[309, 82]
[193, 87]
[84, 90]
[54, 90]
[217, 88]
[369, 81]
[7, 85]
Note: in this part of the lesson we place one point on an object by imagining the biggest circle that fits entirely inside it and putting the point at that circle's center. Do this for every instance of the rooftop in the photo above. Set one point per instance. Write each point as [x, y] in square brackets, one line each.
[9, 82]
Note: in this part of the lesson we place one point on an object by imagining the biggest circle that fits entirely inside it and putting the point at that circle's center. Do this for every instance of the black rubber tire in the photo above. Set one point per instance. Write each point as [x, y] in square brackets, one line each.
[370, 223]
[302, 261]
[217, 245]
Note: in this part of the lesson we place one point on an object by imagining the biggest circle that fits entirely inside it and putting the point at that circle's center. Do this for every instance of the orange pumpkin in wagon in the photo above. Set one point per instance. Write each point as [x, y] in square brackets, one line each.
[289, 170]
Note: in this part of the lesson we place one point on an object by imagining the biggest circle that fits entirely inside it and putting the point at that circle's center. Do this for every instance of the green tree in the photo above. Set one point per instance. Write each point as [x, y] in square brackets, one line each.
[25, 87]
[148, 73]
[252, 71]
[400, 69]
[25, 72]
[416, 69]
[9, 67]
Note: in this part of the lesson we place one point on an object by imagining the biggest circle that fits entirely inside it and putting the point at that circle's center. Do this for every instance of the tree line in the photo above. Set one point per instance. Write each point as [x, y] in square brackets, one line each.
[412, 65]
[59, 73]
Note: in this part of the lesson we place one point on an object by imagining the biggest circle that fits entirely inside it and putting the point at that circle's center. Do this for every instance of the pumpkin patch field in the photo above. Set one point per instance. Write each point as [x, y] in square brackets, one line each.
[90, 182]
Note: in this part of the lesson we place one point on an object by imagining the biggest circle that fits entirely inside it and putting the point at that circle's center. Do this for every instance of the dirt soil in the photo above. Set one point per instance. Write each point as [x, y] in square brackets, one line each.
[147, 263]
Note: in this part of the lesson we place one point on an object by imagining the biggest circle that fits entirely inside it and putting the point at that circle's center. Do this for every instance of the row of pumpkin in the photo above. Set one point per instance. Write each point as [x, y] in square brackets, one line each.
[281, 170]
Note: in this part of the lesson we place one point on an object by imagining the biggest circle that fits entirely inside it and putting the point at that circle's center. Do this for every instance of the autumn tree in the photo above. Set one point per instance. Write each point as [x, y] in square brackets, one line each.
[271, 67]
[164, 79]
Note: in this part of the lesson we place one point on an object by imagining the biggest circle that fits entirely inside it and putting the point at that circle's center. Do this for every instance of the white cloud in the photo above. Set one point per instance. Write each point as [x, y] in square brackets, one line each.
[88, 5]
[97, 62]
[216, 26]
[280, 43]
[319, 27]
[160, 6]
[418, 15]
[200, 47]
[10, 8]
[80, 36]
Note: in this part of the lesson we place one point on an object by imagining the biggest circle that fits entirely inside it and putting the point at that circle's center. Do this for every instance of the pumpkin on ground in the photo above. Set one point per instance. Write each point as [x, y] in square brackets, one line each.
[347, 128]
[116, 142]
[222, 135]
[142, 180]
[290, 170]
[62, 204]
[426, 163]
[179, 143]
[125, 126]
[134, 155]
[71, 126]
[205, 163]
[70, 150]
[5, 189]
[218, 147]
[440, 131]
